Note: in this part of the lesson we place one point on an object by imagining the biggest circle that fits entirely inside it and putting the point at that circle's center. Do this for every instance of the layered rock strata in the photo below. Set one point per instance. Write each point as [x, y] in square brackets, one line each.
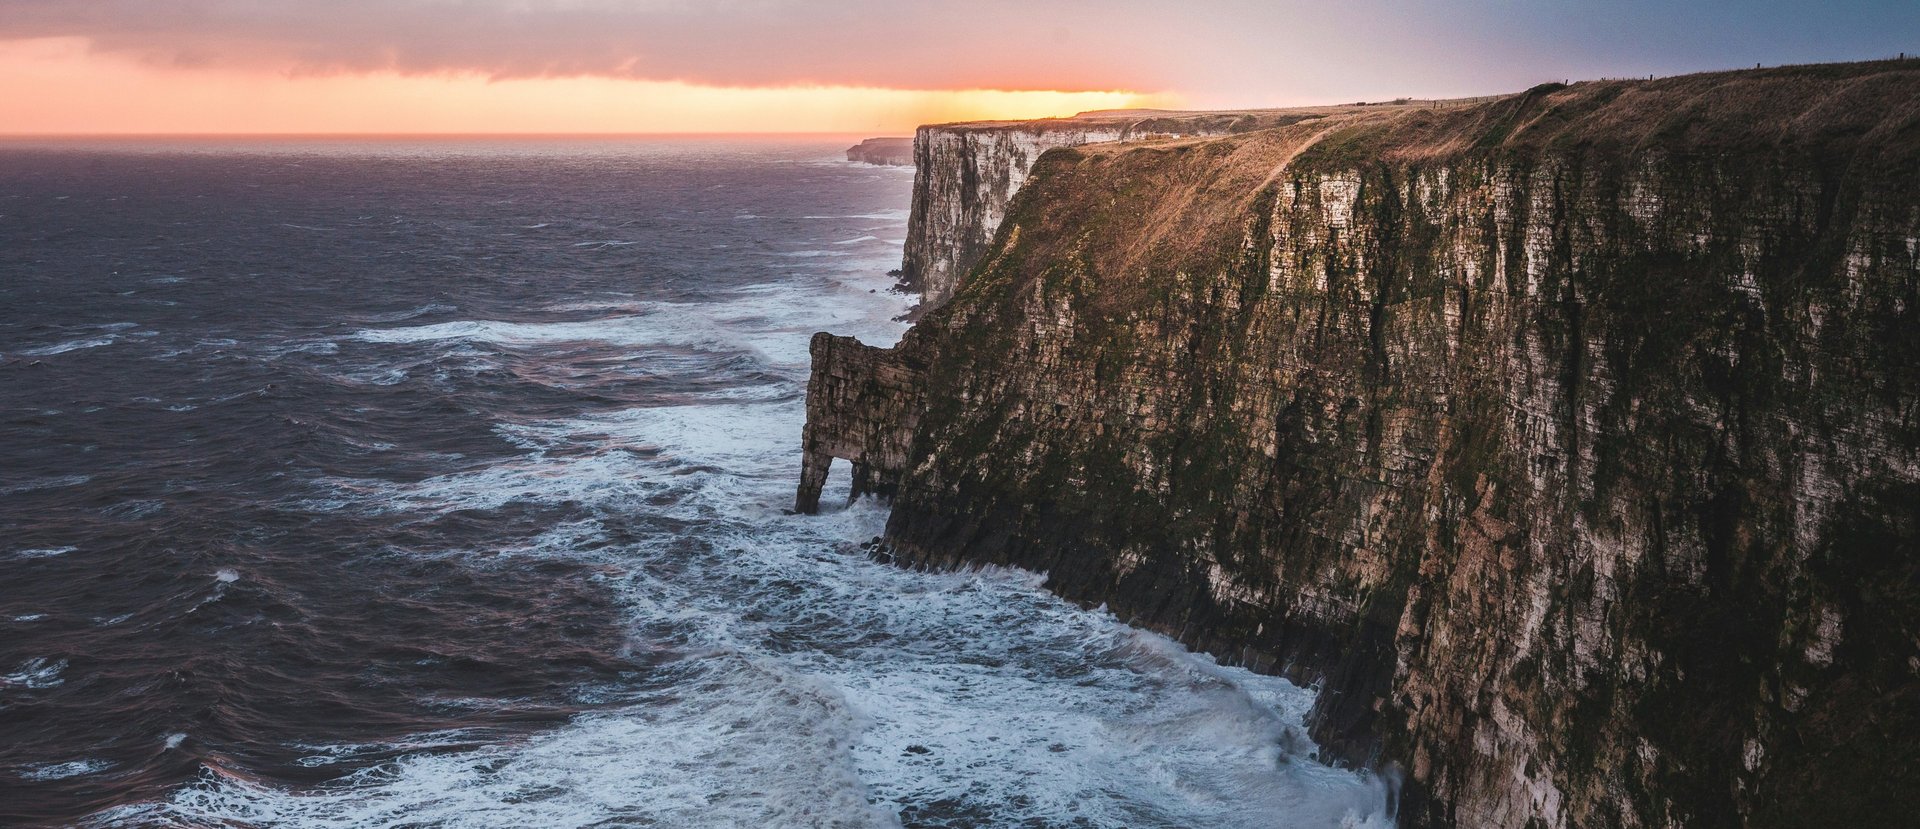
[863, 404]
[1570, 442]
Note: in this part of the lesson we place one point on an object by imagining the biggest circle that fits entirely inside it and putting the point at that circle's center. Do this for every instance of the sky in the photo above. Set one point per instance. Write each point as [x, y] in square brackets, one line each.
[847, 66]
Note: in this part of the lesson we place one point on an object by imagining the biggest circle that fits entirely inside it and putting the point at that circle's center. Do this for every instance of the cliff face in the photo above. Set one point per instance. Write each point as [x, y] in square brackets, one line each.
[863, 405]
[965, 174]
[1572, 440]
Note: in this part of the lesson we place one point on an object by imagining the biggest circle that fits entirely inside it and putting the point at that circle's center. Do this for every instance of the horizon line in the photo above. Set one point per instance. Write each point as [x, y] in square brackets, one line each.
[494, 134]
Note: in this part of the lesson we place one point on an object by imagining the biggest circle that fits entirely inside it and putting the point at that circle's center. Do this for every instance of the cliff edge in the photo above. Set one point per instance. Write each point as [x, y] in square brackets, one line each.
[1570, 440]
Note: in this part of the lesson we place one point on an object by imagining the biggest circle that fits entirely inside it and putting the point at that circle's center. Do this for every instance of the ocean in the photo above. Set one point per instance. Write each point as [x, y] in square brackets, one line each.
[444, 483]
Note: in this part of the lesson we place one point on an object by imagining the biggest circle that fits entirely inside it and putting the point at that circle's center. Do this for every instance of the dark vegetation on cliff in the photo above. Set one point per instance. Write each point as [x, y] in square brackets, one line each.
[1570, 439]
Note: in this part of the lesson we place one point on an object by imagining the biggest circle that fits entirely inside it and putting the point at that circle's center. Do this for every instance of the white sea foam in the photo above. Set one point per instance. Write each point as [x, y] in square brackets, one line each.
[375, 376]
[71, 345]
[657, 328]
[771, 322]
[215, 343]
[41, 772]
[627, 305]
[819, 682]
[136, 508]
[733, 756]
[811, 687]
[616, 330]
[50, 482]
[39, 672]
[107, 334]
[44, 552]
[810, 254]
[895, 215]
[410, 313]
[824, 689]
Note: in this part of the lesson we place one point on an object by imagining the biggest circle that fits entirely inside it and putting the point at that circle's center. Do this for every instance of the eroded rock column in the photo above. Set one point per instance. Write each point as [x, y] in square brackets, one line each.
[863, 404]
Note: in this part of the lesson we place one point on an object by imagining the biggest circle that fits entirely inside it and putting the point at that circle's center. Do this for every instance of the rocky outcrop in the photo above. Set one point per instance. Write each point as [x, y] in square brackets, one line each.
[863, 404]
[965, 174]
[1571, 441]
[883, 152]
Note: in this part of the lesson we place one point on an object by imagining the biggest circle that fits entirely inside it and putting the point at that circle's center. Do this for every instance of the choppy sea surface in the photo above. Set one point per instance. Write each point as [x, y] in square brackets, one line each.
[356, 483]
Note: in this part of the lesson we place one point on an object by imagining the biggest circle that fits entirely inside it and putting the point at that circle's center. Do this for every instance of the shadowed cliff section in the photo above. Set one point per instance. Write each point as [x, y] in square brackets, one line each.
[1572, 439]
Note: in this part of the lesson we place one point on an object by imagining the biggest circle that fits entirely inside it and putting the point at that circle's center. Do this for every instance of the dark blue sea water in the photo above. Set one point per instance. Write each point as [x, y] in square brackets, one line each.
[360, 483]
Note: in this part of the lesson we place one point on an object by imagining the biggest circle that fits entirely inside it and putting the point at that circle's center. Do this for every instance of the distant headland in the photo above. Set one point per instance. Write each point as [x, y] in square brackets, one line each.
[887, 152]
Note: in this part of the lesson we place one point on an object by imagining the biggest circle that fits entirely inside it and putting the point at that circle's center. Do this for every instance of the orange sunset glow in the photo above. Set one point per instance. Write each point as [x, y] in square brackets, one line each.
[59, 86]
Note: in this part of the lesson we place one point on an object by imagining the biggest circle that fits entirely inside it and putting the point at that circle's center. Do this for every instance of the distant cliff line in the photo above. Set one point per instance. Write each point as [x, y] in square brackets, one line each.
[883, 152]
[1570, 440]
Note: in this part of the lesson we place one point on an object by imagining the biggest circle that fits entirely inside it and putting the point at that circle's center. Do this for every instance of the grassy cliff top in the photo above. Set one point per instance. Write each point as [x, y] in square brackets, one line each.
[1169, 204]
[1828, 109]
[1813, 106]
